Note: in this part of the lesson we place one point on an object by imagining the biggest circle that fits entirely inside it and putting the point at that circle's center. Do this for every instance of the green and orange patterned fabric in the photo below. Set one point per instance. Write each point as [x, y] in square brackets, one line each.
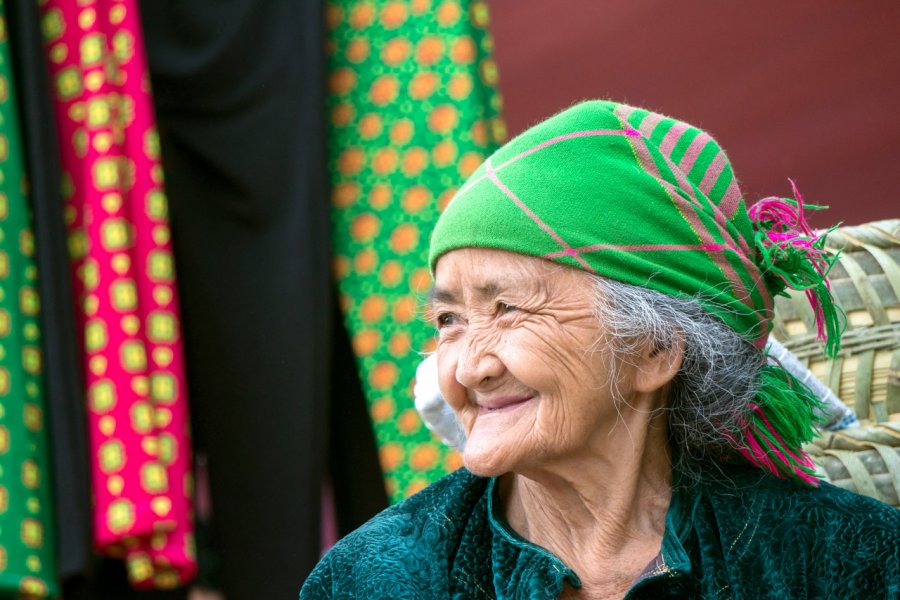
[123, 278]
[27, 552]
[413, 112]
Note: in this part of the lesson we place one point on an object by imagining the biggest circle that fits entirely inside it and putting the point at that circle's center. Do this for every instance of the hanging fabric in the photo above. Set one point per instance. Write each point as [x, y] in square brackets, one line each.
[27, 559]
[63, 381]
[413, 111]
[274, 400]
[123, 279]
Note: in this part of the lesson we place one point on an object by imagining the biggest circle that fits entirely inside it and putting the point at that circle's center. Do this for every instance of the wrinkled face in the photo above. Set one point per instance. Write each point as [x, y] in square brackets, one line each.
[521, 359]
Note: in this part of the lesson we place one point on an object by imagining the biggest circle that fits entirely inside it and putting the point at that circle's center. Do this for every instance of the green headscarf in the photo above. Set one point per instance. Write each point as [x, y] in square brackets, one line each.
[644, 199]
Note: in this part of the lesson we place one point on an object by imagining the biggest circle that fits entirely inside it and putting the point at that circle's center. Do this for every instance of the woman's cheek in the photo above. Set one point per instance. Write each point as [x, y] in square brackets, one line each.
[451, 390]
[525, 355]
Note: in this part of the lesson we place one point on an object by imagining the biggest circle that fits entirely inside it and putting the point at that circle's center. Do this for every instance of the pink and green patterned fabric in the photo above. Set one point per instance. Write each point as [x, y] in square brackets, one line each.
[27, 552]
[119, 242]
[648, 200]
[413, 111]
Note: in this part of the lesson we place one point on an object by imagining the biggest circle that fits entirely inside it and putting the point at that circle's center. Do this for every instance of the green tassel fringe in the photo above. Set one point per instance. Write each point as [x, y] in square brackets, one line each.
[783, 419]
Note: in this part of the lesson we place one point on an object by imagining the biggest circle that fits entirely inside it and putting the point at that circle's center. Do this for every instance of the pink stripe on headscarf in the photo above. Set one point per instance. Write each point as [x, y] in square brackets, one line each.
[672, 137]
[567, 249]
[689, 211]
[712, 173]
[649, 123]
[694, 149]
[731, 199]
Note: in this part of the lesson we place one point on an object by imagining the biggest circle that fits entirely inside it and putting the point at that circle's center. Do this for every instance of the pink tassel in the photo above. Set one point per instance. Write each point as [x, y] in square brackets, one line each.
[756, 456]
[793, 252]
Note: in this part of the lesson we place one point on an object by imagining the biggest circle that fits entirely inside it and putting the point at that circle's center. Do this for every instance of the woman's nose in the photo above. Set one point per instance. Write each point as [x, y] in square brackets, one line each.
[478, 366]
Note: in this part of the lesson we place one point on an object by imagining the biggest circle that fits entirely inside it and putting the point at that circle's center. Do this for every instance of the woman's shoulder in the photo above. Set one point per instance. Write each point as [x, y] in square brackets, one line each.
[441, 505]
[403, 546]
[455, 494]
[797, 536]
[824, 505]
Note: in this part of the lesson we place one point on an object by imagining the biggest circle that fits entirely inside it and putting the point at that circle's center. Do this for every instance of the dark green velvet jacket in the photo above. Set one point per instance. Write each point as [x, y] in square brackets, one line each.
[748, 536]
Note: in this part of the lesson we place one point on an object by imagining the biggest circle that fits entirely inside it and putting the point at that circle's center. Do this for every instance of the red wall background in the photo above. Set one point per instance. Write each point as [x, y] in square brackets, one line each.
[802, 89]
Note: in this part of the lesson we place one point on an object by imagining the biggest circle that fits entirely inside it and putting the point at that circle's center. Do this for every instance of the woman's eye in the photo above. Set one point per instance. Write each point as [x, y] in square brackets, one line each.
[507, 308]
[445, 319]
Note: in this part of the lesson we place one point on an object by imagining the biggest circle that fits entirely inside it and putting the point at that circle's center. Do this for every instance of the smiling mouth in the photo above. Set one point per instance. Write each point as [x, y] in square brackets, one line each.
[503, 405]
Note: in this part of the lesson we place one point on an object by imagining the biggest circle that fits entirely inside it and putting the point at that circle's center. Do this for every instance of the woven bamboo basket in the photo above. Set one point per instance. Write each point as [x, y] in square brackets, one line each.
[866, 373]
[863, 459]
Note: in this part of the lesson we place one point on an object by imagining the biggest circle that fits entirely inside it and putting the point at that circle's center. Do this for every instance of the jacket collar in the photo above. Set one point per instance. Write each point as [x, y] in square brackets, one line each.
[522, 569]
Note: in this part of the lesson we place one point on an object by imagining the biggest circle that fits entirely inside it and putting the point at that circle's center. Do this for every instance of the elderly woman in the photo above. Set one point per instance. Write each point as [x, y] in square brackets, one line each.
[602, 297]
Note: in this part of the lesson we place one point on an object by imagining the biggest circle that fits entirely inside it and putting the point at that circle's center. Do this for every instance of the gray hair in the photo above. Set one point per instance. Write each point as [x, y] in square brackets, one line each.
[717, 380]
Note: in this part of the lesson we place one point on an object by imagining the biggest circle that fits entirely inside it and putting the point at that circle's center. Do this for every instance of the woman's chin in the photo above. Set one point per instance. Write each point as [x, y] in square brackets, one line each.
[488, 456]
[477, 465]
[498, 441]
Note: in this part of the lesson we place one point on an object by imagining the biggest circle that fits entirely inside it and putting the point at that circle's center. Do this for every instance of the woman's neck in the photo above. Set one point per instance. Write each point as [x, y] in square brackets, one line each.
[603, 511]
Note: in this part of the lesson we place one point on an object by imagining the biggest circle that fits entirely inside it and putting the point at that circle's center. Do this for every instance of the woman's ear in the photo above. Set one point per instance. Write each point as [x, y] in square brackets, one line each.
[658, 364]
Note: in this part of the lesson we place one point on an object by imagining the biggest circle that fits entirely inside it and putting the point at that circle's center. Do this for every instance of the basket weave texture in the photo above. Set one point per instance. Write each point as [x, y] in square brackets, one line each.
[863, 459]
[866, 373]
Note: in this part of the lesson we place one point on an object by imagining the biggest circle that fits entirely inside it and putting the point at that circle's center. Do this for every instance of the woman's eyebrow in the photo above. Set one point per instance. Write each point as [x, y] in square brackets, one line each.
[436, 294]
[487, 291]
